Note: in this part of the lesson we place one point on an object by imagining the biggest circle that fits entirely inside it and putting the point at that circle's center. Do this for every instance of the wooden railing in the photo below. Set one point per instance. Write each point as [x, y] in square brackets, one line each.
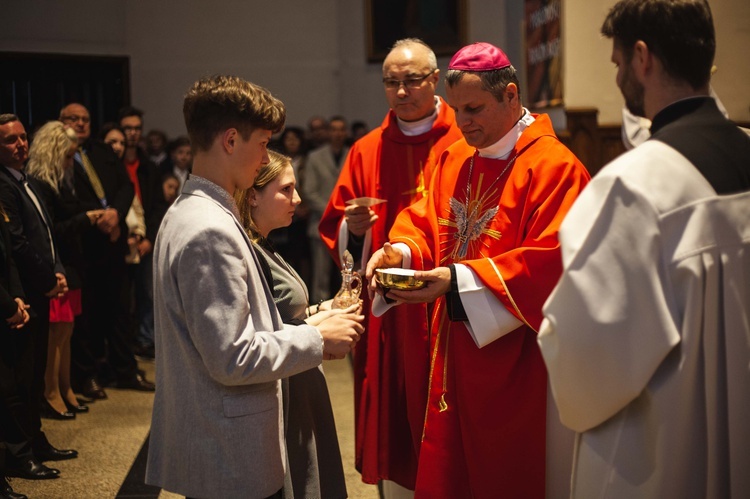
[594, 144]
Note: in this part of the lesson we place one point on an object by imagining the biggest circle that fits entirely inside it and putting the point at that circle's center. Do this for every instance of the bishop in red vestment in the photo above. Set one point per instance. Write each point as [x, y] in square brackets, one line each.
[394, 163]
[486, 238]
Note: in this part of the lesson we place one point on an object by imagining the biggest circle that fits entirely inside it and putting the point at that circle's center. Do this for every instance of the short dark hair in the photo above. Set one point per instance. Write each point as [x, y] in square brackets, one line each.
[178, 142]
[220, 102]
[129, 111]
[160, 133]
[679, 32]
[7, 118]
[292, 130]
[108, 127]
[338, 117]
[298, 131]
[313, 119]
[494, 82]
[167, 175]
[358, 124]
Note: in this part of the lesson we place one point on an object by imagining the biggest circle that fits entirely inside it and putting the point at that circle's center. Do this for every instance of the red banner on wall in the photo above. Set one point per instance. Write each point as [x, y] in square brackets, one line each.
[543, 50]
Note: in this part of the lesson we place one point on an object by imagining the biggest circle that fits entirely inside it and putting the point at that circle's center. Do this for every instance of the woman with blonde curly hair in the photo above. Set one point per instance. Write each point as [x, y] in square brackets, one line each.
[49, 168]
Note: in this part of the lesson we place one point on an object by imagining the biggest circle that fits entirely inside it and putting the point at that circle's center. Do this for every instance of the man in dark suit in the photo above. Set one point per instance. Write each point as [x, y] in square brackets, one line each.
[13, 336]
[42, 274]
[146, 179]
[100, 341]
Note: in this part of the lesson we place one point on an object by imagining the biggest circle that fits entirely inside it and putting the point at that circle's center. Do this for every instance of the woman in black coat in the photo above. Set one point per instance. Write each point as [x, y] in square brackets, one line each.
[50, 158]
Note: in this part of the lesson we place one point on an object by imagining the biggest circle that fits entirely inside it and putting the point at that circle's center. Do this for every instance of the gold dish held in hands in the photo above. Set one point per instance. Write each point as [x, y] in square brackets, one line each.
[398, 279]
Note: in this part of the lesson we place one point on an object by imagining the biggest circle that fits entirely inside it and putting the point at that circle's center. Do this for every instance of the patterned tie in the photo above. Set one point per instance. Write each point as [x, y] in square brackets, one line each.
[93, 177]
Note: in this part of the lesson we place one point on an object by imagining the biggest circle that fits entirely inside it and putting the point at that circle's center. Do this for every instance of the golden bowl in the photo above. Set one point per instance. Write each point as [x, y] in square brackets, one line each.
[398, 279]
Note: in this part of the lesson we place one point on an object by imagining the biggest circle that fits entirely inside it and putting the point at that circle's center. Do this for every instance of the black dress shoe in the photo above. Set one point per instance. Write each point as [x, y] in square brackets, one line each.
[81, 399]
[6, 491]
[138, 382]
[48, 412]
[78, 408]
[93, 390]
[144, 352]
[52, 454]
[32, 469]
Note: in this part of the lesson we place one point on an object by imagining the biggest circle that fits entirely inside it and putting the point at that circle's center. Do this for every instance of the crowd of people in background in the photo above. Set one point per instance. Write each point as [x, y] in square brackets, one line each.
[81, 212]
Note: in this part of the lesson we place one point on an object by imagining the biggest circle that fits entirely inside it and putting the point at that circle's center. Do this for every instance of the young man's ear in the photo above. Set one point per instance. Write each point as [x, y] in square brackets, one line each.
[229, 140]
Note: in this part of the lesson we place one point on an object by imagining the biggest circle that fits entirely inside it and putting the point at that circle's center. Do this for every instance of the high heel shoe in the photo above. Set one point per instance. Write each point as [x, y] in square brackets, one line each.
[78, 408]
[49, 412]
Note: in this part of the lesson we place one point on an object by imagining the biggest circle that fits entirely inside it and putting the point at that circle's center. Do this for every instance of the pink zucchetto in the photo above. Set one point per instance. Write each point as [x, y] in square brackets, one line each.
[479, 57]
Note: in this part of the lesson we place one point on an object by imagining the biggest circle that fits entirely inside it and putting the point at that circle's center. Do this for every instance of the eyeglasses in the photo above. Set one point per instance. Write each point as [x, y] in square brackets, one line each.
[394, 84]
[75, 119]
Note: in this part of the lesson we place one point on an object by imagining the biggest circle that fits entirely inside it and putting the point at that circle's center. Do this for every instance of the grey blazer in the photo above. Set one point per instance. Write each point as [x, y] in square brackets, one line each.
[221, 349]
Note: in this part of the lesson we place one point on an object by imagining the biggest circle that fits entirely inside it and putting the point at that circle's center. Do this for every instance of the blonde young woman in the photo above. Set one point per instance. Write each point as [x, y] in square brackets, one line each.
[315, 468]
[50, 160]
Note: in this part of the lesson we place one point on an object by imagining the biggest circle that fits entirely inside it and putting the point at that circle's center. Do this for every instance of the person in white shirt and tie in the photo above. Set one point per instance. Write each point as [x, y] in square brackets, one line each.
[42, 276]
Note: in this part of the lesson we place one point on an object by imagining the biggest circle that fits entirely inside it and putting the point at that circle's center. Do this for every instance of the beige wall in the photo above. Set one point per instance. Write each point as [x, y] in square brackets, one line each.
[590, 76]
[732, 79]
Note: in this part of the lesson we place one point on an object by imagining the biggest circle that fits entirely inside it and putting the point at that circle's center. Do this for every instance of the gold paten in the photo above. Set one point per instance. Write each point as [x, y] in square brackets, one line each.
[398, 279]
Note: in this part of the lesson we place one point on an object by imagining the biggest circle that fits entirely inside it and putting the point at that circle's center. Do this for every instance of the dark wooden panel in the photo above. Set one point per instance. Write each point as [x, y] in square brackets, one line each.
[595, 145]
[36, 86]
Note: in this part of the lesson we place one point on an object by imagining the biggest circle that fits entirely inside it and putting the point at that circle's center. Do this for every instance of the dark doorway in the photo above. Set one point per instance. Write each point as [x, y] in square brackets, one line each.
[36, 86]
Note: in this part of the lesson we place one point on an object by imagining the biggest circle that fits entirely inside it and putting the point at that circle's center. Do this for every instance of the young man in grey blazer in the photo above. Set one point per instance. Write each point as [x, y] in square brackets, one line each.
[221, 347]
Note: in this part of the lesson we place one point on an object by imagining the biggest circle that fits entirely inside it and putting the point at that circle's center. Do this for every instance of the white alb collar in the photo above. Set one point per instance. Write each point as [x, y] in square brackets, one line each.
[502, 148]
[412, 128]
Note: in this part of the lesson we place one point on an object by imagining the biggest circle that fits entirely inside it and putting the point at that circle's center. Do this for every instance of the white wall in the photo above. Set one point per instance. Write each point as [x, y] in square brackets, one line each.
[312, 55]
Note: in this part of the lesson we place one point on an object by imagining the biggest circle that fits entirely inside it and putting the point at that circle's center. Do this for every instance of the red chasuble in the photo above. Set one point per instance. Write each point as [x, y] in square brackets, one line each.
[391, 361]
[484, 430]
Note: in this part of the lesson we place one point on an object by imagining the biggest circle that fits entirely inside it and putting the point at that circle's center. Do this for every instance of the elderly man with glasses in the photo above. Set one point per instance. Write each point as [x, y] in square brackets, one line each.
[101, 182]
[393, 163]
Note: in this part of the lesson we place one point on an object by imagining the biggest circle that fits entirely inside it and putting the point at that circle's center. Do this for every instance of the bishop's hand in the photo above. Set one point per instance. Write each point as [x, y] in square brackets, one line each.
[385, 257]
[438, 282]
